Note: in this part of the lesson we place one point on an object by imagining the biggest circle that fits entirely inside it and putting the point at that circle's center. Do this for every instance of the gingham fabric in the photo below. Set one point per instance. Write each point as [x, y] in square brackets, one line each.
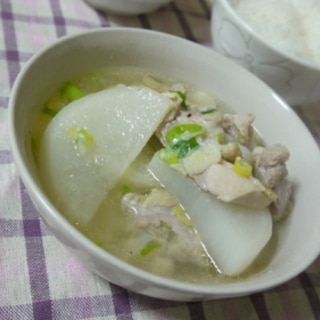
[39, 279]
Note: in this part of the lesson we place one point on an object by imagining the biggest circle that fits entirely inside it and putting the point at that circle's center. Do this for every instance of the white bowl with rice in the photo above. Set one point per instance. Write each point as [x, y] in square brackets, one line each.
[295, 241]
[278, 41]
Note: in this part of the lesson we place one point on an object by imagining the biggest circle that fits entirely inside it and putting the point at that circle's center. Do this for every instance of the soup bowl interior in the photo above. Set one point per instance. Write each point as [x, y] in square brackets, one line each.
[297, 238]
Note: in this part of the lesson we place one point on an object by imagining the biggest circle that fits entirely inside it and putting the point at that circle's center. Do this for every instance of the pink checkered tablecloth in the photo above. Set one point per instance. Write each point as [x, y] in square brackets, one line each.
[39, 279]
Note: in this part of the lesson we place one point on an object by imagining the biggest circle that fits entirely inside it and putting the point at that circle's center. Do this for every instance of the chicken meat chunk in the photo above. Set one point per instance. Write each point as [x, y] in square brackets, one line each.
[214, 142]
[221, 181]
[270, 168]
[158, 215]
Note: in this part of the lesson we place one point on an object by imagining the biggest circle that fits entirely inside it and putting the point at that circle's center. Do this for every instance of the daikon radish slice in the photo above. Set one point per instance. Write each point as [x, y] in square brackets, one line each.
[91, 142]
[233, 235]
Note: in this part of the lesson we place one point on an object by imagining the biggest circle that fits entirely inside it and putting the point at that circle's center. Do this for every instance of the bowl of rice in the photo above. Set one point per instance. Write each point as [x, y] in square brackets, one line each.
[275, 40]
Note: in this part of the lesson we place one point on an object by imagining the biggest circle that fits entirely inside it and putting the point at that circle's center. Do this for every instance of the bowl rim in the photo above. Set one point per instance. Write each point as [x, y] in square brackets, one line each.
[300, 61]
[135, 7]
[210, 290]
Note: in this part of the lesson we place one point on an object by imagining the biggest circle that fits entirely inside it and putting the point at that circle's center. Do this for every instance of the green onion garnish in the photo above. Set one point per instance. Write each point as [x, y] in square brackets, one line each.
[50, 112]
[149, 247]
[184, 131]
[82, 139]
[71, 92]
[242, 167]
[125, 189]
[183, 147]
[180, 214]
[183, 97]
[182, 137]
[220, 137]
[209, 111]
[169, 156]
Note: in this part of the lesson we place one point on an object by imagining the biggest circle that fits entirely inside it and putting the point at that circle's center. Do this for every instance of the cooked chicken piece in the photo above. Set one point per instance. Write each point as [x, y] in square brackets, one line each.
[270, 168]
[154, 214]
[152, 208]
[228, 186]
[233, 135]
[239, 127]
[157, 197]
[270, 164]
[201, 159]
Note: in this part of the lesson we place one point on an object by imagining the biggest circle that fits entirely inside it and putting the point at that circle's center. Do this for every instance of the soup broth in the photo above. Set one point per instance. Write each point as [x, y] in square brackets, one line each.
[114, 227]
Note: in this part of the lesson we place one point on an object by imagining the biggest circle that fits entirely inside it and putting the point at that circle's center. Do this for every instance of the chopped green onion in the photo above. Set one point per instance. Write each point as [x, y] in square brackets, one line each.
[50, 112]
[71, 92]
[183, 147]
[180, 214]
[183, 97]
[169, 156]
[220, 137]
[125, 189]
[149, 247]
[242, 138]
[242, 167]
[182, 137]
[184, 131]
[82, 138]
[209, 111]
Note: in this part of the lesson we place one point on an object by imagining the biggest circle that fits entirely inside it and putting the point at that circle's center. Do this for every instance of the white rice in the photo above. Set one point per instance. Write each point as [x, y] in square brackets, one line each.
[292, 26]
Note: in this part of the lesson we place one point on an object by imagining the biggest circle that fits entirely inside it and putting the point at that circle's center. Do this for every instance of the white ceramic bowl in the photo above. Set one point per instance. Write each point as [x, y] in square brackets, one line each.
[297, 81]
[127, 7]
[299, 236]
